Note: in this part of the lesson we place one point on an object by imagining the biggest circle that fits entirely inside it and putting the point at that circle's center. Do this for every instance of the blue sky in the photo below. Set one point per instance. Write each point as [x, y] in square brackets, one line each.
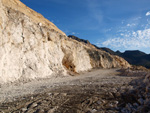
[116, 24]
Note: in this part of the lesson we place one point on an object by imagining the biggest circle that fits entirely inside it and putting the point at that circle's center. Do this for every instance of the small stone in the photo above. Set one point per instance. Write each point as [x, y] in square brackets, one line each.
[64, 94]
[103, 101]
[129, 107]
[94, 110]
[52, 109]
[31, 97]
[99, 102]
[124, 110]
[111, 105]
[116, 102]
[139, 95]
[139, 108]
[30, 111]
[96, 99]
[88, 112]
[34, 105]
[53, 103]
[114, 90]
[135, 104]
[56, 94]
[146, 101]
[117, 94]
[24, 109]
[49, 93]
[111, 95]
[141, 101]
[41, 111]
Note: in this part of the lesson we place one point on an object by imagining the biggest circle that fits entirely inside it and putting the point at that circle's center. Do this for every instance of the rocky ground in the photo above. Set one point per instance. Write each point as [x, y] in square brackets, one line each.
[99, 91]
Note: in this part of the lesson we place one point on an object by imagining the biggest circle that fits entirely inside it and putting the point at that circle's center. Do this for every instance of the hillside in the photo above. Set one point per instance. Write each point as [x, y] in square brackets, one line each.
[32, 47]
[134, 57]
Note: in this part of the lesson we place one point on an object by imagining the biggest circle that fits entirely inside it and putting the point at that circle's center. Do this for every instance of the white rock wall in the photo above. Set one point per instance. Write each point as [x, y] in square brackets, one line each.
[25, 50]
[30, 49]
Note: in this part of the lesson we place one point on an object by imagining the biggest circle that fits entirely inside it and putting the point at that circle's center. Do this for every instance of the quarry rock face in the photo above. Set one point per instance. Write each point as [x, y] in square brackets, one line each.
[32, 47]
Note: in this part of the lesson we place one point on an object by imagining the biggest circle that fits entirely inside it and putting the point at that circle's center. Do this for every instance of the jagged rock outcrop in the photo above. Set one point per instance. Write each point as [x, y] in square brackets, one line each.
[33, 47]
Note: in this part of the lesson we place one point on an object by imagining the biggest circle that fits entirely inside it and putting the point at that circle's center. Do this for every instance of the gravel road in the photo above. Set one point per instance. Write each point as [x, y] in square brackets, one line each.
[97, 91]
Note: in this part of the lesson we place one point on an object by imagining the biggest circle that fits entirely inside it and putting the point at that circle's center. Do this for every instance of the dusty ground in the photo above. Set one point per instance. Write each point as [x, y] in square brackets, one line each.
[98, 91]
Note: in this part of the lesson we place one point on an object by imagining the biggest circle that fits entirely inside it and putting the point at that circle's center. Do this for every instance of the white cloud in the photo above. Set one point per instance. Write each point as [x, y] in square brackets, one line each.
[122, 34]
[148, 13]
[131, 25]
[73, 33]
[132, 40]
[122, 21]
[108, 30]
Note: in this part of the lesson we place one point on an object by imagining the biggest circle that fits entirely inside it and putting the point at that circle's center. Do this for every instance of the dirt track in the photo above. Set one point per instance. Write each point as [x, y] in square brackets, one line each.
[96, 91]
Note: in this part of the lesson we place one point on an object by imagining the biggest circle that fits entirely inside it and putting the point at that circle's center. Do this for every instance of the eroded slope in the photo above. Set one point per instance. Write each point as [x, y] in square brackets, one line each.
[32, 47]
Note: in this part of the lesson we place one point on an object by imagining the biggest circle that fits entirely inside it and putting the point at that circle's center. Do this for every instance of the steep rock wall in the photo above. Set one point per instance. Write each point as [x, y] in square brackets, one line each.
[32, 47]
[28, 49]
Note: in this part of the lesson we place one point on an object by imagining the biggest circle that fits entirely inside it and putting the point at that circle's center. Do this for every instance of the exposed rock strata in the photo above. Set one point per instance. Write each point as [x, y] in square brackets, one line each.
[33, 47]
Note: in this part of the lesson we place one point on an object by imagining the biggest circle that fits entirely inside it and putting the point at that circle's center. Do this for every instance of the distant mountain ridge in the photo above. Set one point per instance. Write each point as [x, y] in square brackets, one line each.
[134, 57]
[78, 39]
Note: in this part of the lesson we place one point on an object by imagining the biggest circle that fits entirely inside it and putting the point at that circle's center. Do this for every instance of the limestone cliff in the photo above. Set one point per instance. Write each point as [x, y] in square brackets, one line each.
[33, 47]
